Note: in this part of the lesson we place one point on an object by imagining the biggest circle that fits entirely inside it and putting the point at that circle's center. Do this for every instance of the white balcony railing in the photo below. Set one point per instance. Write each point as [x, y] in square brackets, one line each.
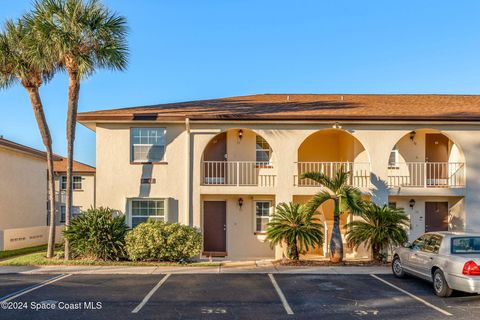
[426, 174]
[238, 173]
[61, 196]
[359, 172]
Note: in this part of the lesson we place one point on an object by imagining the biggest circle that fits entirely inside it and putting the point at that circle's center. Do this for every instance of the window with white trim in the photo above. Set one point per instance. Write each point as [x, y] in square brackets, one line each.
[75, 212]
[262, 215]
[147, 145]
[263, 150]
[143, 209]
[76, 183]
[393, 159]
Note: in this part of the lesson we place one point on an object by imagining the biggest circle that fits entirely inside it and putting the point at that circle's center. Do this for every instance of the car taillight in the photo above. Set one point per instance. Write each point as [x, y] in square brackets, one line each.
[471, 269]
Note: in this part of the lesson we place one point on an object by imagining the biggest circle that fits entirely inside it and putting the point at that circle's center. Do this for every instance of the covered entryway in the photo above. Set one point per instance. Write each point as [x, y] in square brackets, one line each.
[215, 228]
[436, 216]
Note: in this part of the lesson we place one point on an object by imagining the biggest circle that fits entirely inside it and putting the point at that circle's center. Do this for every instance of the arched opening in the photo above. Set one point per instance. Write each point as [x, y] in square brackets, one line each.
[238, 157]
[426, 158]
[328, 151]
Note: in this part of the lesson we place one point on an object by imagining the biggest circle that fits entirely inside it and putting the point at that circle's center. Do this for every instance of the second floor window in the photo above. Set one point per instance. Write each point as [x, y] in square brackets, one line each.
[147, 145]
[393, 159]
[77, 183]
[263, 150]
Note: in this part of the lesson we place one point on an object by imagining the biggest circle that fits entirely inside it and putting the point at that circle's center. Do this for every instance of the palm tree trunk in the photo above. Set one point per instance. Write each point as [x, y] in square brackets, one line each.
[47, 142]
[294, 251]
[336, 244]
[73, 95]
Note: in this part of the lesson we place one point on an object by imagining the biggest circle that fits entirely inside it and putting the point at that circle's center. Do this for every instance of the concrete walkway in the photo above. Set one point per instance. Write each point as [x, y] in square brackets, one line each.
[252, 268]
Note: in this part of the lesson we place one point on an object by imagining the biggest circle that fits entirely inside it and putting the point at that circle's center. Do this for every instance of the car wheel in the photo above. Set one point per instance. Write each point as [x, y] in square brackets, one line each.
[440, 285]
[397, 268]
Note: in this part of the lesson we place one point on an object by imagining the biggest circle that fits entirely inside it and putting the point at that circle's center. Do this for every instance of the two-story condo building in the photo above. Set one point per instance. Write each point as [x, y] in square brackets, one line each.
[223, 165]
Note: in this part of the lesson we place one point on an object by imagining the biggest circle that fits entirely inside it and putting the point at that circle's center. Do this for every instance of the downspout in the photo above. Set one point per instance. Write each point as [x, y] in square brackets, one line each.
[188, 173]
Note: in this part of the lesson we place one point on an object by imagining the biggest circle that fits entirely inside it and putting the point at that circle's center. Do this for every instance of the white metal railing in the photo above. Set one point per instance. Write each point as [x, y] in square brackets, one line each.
[426, 174]
[359, 172]
[238, 173]
[60, 197]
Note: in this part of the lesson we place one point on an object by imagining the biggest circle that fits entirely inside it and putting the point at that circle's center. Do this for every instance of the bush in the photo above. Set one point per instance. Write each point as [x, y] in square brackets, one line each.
[160, 241]
[97, 233]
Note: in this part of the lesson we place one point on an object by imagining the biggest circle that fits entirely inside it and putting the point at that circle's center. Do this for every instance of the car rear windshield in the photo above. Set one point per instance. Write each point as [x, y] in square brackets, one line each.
[466, 245]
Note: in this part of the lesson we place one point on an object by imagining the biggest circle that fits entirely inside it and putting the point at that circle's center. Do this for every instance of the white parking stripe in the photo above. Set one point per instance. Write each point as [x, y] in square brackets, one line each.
[413, 296]
[280, 294]
[149, 295]
[35, 287]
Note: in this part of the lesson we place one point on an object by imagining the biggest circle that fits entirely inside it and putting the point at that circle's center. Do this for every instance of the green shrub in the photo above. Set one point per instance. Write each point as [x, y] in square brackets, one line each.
[160, 241]
[97, 233]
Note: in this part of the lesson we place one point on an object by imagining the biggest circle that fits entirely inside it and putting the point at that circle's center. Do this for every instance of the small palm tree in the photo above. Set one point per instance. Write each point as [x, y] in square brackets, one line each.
[381, 228]
[294, 225]
[83, 36]
[23, 60]
[346, 199]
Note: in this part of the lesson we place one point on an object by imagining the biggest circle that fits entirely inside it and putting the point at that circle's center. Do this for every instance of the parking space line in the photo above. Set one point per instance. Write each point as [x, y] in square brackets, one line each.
[149, 295]
[285, 304]
[413, 296]
[19, 293]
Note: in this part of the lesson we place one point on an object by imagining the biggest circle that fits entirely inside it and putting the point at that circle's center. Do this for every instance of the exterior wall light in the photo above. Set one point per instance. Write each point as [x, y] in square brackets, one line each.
[240, 202]
[412, 135]
[240, 134]
[412, 203]
[337, 125]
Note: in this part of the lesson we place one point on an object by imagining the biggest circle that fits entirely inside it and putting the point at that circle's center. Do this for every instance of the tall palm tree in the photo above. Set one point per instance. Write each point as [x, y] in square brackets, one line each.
[296, 226]
[23, 60]
[381, 228]
[83, 36]
[346, 198]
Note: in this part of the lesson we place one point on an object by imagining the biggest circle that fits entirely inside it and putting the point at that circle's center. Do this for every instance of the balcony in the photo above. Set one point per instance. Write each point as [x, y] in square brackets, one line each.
[427, 174]
[237, 173]
[359, 172]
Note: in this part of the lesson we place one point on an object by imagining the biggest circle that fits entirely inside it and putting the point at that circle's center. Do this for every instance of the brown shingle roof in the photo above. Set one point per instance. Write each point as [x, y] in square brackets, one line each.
[305, 107]
[60, 165]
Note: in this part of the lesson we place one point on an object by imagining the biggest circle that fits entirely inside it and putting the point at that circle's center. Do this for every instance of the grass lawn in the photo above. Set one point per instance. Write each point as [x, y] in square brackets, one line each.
[18, 252]
[40, 259]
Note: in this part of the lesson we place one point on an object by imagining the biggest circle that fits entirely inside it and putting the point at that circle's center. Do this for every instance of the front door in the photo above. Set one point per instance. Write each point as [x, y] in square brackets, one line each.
[215, 228]
[436, 216]
[436, 156]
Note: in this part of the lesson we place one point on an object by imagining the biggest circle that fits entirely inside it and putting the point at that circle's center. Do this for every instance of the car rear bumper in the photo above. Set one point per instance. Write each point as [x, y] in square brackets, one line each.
[464, 283]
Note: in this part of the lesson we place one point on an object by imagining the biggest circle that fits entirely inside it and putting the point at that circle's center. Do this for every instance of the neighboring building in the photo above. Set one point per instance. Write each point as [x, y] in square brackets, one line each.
[23, 196]
[223, 165]
[83, 187]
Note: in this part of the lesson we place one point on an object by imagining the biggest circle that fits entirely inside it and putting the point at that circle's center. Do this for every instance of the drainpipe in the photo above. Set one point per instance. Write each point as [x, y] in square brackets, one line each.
[188, 173]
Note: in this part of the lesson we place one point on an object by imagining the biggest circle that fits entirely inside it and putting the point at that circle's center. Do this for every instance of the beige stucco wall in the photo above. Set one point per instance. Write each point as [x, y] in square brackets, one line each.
[180, 177]
[11, 239]
[84, 198]
[23, 190]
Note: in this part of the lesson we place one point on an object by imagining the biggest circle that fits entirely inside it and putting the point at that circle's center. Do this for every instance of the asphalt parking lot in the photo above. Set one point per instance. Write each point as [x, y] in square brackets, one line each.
[227, 296]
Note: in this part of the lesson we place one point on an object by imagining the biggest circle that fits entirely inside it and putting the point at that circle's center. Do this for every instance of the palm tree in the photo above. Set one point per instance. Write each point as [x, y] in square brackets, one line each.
[296, 226]
[23, 60]
[382, 227]
[83, 36]
[346, 199]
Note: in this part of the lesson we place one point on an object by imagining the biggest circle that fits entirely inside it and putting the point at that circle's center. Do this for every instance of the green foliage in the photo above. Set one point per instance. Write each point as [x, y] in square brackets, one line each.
[382, 227]
[296, 226]
[161, 241]
[98, 233]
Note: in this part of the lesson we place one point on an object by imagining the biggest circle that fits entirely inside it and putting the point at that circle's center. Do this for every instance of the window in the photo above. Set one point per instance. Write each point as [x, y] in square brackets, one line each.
[75, 212]
[393, 159]
[148, 145]
[392, 205]
[420, 242]
[433, 244]
[466, 245]
[76, 183]
[262, 215]
[144, 209]
[263, 150]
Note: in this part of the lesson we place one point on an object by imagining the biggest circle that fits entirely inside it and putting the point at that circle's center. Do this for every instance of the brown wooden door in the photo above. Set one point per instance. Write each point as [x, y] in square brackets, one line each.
[215, 167]
[436, 216]
[436, 153]
[215, 228]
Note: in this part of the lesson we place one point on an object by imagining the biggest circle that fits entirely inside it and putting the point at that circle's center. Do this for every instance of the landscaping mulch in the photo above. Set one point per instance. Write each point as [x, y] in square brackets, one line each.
[326, 263]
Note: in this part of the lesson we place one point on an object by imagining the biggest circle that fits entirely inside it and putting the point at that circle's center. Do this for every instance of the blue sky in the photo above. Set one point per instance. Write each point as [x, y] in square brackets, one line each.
[188, 50]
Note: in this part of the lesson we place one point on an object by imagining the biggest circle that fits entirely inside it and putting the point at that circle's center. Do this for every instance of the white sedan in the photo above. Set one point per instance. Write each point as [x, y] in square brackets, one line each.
[450, 260]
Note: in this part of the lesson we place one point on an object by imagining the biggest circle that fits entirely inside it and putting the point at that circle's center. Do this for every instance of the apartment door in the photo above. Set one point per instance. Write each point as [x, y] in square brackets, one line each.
[215, 166]
[436, 156]
[215, 228]
[436, 216]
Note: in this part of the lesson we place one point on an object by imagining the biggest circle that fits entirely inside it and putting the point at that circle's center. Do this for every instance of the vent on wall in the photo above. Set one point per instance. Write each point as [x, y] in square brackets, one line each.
[145, 116]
